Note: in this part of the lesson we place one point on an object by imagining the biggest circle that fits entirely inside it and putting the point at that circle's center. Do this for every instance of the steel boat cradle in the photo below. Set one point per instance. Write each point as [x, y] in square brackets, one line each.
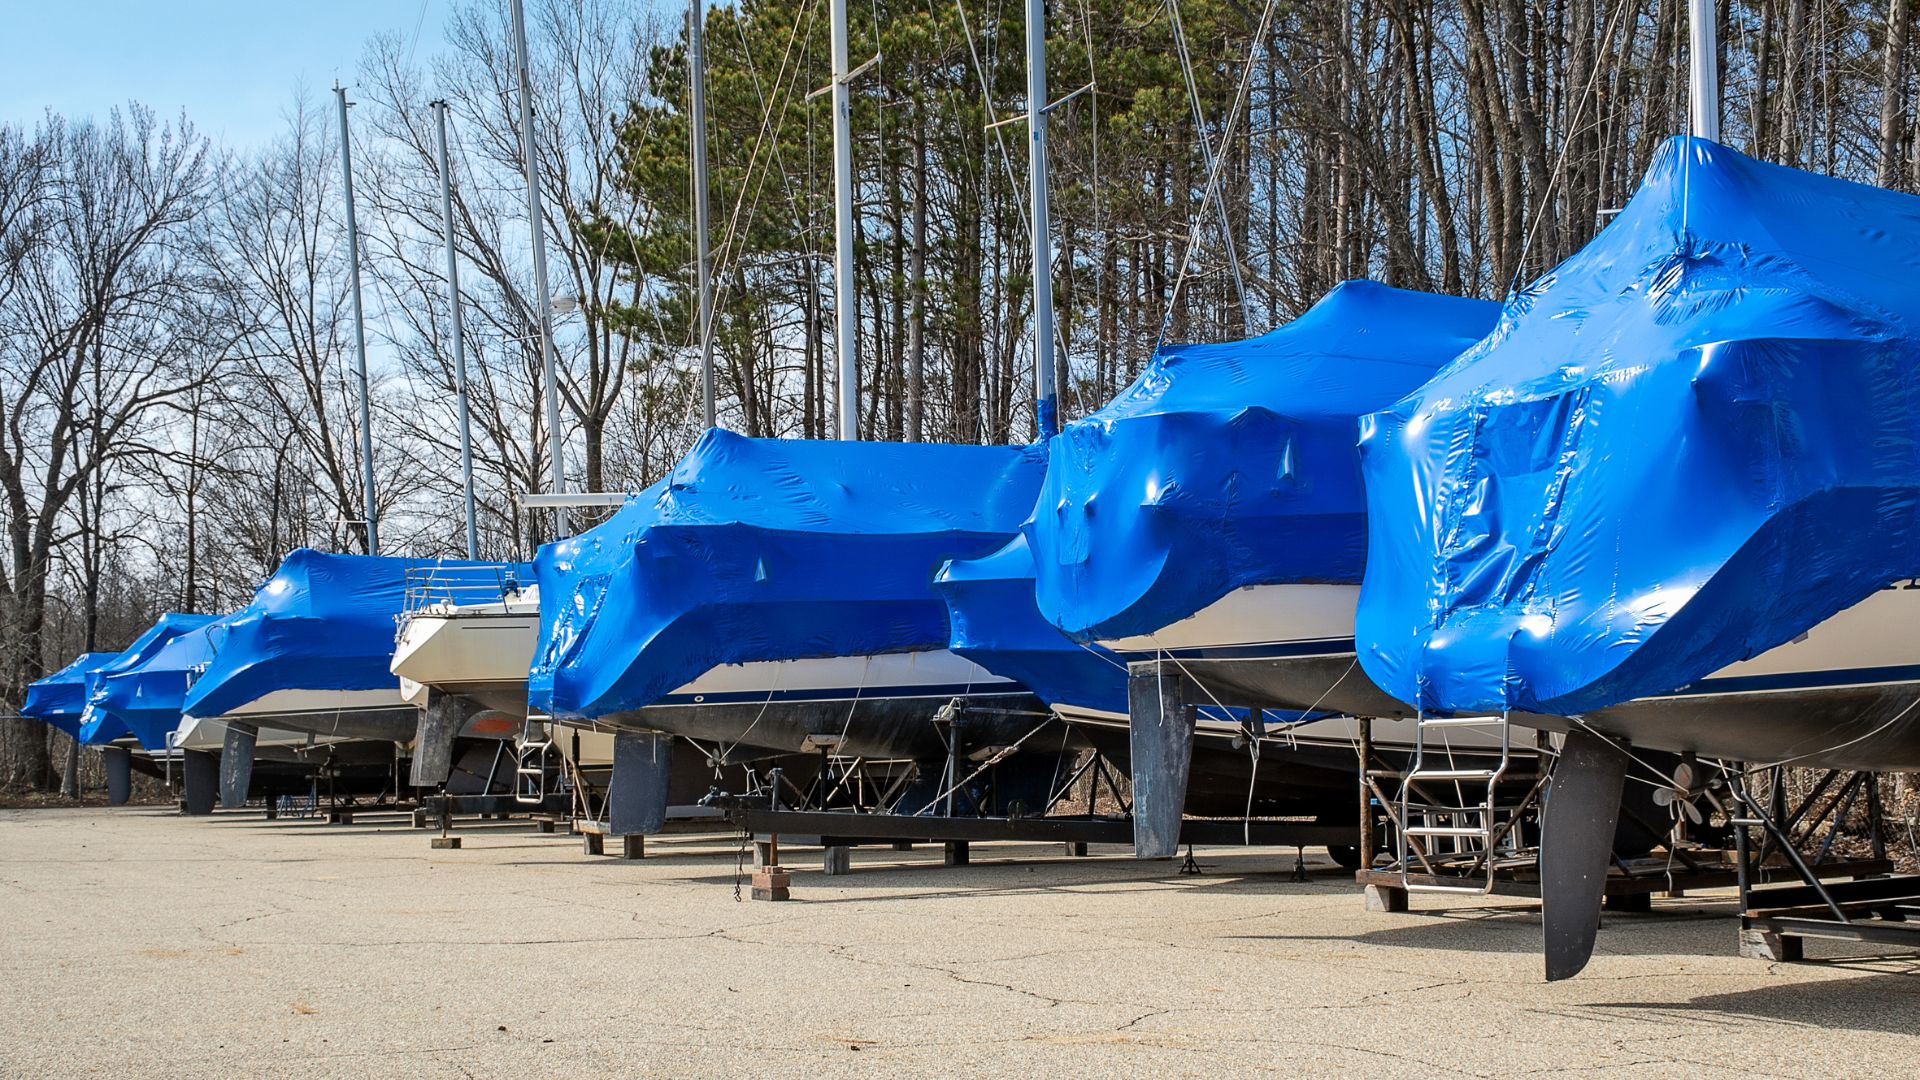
[462, 656]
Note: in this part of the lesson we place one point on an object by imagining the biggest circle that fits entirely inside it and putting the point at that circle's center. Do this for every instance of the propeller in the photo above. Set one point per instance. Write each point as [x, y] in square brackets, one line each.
[1690, 786]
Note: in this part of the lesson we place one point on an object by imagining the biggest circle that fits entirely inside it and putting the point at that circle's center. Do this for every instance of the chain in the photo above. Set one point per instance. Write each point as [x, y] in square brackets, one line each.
[740, 862]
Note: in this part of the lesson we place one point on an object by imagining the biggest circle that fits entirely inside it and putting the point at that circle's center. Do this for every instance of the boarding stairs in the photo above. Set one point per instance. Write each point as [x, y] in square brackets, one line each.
[1459, 809]
[530, 759]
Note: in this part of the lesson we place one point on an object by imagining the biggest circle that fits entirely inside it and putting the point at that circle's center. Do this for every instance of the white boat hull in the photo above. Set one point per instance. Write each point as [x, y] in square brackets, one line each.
[198, 733]
[876, 705]
[1239, 650]
[1845, 694]
[482, 651]
[1282, 616]
[931, 673]
[380, 714]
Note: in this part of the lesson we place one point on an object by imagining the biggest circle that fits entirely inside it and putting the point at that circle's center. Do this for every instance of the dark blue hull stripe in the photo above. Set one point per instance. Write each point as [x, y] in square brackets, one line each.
[1732, 684]
[1277, 650]
[1800, 680]
[847, 693]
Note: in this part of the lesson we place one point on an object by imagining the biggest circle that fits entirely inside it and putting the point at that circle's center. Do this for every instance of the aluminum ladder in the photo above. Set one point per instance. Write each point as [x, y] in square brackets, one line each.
[530, 764]
[1472, 826]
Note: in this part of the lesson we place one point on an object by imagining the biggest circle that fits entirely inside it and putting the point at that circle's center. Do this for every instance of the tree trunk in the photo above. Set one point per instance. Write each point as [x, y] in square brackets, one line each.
[1893, 83]
[917, 288]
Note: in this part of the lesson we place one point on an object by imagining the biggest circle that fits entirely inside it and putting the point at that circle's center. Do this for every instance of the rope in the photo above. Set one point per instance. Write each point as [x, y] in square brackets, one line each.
[853, 706]
[1253, 781]
[771, 690]
[1896, 718]
[984, 766]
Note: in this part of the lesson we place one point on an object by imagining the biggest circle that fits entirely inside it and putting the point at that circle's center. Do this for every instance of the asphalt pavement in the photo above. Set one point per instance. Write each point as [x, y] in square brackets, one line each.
[135, 942]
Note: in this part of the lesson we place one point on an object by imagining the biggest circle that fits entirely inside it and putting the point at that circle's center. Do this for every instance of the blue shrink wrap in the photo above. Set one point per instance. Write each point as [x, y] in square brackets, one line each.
[996, 624]
[767, 549]
[100, 725]
[1233, 464]
[1687, 444]
[148, 698]
[61, 697]
[327, 622]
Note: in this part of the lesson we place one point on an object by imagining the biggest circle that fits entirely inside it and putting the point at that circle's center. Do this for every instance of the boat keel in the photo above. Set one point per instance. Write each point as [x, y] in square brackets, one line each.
[1160, 743]
[440, 723]
[642, 773]
[1581, 810]
[236, 765]
[119, 763]
[199, 780]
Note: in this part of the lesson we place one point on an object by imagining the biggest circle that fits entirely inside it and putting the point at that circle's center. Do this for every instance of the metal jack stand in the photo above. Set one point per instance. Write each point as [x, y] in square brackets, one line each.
[1190, 865]
[1299, 875]
[446, 841]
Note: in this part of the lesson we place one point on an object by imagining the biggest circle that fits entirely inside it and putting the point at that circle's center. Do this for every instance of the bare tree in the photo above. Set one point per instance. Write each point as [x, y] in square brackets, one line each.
[279, 256]
[93, 337]
[590, 62]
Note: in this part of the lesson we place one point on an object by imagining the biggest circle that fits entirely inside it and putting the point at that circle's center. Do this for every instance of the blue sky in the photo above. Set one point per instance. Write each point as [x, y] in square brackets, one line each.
[232, 66]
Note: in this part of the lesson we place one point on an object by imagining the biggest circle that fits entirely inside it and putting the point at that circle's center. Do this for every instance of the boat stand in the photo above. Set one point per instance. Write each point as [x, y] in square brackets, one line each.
[766, 819]
[341, 808]
[839, 831]
[1800, 898]
[499, 799]
[1875, 906]
[1631, 883]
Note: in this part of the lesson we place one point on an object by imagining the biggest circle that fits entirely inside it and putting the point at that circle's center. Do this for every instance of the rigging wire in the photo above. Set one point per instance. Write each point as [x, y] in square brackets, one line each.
[1566, 151]
[1213, 174]
[1207, 157]
[753, 176]
[986, 102]
[419, 20]
[1096, 186]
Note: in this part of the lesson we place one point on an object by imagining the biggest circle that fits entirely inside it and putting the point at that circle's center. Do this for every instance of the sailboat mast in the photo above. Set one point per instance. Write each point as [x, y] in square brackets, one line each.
[1046, 413]
[1703, 20]
[359, 330]
[550, 382]
[697, 81]
[846, 325]
[456, 329]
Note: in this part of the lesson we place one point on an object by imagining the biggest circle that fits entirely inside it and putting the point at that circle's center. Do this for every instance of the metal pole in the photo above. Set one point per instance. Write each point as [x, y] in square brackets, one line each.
[1366, 793]
[456, 330]
[1046, 419]
[697, 78]
[845, 324]
[556, 444]
[1703, 21]
[359, 330]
